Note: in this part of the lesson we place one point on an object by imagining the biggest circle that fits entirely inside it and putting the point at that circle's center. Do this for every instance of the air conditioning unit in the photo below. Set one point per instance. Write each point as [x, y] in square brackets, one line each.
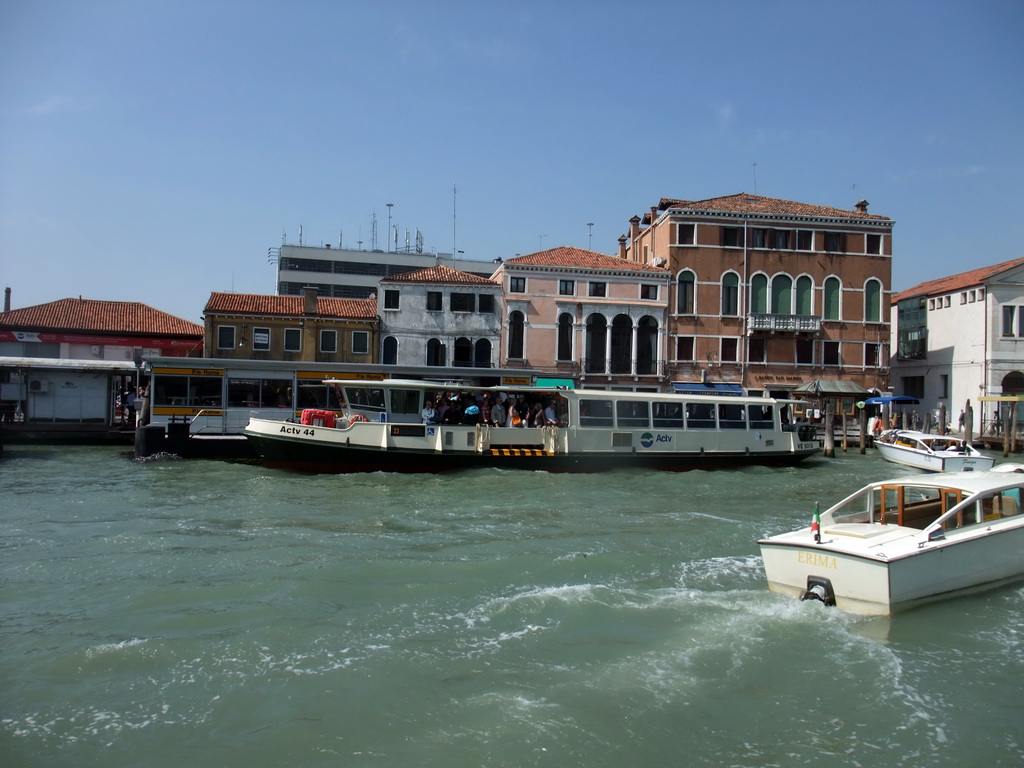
[39, 385]
[659, 261]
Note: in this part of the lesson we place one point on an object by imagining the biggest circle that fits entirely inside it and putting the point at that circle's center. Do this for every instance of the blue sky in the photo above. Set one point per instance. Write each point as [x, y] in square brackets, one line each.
[153, 152]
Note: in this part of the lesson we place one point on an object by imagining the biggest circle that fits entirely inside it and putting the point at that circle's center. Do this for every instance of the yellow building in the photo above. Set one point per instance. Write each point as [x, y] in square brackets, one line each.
[305, 328]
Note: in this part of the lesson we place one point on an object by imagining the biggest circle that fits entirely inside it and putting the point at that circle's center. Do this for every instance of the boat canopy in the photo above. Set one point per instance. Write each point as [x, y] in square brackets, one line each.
[892, 400]
[709, 388]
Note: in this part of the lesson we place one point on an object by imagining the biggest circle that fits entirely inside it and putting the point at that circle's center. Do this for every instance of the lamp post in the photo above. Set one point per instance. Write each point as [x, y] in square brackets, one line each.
[390, 205]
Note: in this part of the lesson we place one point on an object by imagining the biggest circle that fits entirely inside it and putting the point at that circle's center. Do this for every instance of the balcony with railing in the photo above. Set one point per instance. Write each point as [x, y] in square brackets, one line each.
[783, 324]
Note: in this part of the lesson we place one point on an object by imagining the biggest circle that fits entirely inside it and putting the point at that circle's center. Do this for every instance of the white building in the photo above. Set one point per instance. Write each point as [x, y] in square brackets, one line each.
[960, 338]
[346, 273]
[439, 317]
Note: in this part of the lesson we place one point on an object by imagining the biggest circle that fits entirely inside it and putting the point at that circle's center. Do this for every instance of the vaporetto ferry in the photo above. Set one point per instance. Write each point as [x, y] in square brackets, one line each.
[388, 426]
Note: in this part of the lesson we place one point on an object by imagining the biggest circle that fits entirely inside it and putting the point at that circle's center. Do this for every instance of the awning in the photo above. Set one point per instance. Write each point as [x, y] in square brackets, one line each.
[892, 400]
[555, 383]
[710, 388]
[832, 388]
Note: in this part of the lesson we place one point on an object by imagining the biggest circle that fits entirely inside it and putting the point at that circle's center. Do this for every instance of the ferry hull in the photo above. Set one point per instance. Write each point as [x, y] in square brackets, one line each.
[331, 451]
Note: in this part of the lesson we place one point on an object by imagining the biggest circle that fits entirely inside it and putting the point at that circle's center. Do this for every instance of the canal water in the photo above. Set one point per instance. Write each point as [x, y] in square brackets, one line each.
[170, 613]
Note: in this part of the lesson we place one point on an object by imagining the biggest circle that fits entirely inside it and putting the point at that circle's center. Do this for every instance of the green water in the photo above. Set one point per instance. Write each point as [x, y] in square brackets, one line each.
[169, 613]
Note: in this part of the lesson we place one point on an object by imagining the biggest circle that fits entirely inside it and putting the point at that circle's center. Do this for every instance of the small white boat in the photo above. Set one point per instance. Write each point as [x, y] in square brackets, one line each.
[932, 453]
[898, 543]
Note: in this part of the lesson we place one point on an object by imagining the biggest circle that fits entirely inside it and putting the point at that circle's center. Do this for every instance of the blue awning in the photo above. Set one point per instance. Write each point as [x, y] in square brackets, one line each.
[892, 400]
[710, 388]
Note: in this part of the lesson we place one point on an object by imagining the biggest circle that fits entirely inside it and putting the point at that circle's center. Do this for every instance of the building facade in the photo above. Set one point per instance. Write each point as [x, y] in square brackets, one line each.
[768, 294]
[69, 368]
[598, 320]
[346, 273]
[439, 316]
[961, 338]
[306, 328]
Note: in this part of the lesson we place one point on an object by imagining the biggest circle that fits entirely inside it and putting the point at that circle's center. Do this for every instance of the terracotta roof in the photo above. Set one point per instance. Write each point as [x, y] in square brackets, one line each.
[746, 203]
[258, 304]
[566, 256]
[958, 282]
[99, 316]
[439, 274]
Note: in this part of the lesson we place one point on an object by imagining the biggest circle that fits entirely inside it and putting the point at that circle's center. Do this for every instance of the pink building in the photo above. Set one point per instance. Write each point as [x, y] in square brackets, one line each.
[575, 314]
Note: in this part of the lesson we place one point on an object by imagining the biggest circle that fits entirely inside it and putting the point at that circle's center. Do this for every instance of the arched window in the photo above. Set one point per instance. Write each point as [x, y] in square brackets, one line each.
[482, 354]
[564, 351]
[435, 352]
[873, 301]
[730, 294]
[622, 344]
[782, 295]
[597, 331]
[804, 295]
[516, 334]
[462, 355]
[646, 345]
[686, 293]
[389, 353]
[759, 295]
[833, 295]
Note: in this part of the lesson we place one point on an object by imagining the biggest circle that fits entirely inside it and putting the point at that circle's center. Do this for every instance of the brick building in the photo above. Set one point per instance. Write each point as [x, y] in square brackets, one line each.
[768, 293]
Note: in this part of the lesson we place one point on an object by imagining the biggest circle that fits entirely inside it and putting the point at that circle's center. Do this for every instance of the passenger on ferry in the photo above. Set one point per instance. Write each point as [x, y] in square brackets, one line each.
[429, 413]
[550, 416]
[453, 414]
[498, 413]
[471, 415]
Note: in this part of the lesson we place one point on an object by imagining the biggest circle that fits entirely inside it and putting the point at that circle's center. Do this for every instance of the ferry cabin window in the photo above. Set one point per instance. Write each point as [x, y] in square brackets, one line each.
[668, 415]
[595, 413]
[225, 337]
[632, 413]
[700, 415]
[731, 416]
[318, 395]
[365, 398]
[761, 416]
[360, 343]
[187, 390]
[405, 402]
[259, 393]
[292, 340]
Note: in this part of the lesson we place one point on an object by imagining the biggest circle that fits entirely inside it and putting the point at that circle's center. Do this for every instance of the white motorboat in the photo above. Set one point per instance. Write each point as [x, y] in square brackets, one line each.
[382, 427]
[932, 453]
[898, 543]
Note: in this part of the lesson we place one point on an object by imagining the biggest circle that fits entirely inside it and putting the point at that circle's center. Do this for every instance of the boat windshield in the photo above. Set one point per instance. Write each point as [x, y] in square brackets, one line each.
[914, 506]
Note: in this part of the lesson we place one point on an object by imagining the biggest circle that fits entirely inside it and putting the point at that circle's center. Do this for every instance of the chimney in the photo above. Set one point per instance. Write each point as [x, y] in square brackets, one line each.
[622, 246]
[309, 300]
[7, 299]
[634, 228]
[862, 206]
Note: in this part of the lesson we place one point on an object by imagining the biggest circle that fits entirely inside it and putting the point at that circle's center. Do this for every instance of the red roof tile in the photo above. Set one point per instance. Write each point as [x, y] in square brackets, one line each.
[746, 203]
[258, 304]
[958, 282]
[99, 317]
[439, 274]
[566, 256]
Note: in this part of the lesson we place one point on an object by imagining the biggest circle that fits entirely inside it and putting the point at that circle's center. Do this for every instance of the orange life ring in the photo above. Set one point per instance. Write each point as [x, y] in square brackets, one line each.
[357, 417]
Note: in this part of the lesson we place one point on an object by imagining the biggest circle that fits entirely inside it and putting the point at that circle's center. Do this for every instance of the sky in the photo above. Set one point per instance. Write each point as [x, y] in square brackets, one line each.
[155, 152]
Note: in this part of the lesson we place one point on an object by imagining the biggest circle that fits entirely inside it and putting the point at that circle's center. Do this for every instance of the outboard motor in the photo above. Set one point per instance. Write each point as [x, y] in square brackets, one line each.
[819, 588]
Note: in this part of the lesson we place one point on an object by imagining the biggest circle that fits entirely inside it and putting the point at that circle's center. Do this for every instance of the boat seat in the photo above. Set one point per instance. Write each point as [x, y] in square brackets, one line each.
[1009, 506]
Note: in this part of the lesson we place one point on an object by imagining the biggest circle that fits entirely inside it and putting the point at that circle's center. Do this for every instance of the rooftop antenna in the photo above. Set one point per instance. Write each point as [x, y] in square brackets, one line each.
[453, 220]
[390, 206]
[755, 178]
[590, 235]
[300, 234]
[373, 231]
[540, 241]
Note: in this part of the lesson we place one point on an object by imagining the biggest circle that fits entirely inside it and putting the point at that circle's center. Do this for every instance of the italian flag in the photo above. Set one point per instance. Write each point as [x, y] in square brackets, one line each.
[816, 526]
